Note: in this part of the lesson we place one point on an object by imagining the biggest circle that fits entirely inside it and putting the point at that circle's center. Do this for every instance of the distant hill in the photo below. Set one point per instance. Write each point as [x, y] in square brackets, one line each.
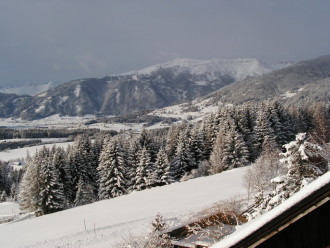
[154, 87]
[307, 81]
[29, 89]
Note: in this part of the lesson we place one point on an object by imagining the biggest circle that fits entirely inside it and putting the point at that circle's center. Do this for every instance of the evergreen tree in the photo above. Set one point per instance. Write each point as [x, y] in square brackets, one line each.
[112, 171]
[51, 194]
[217, 164]
[182, 162]
[235, 151]
[29, 189]
[143, 171]
[61, 164]
[85, 194]
[305, 162]
[197, 146]
[162, 175]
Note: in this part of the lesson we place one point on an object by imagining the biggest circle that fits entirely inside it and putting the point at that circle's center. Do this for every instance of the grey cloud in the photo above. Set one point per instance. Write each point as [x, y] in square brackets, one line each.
[45, 40]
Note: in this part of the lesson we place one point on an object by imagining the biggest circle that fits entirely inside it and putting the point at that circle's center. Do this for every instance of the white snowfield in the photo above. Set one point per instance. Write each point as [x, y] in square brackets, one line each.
[253, 225]
[20, 153]
[122, 215]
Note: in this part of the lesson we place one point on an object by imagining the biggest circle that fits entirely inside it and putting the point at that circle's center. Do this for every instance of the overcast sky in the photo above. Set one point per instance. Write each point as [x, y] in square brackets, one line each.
[61, 40]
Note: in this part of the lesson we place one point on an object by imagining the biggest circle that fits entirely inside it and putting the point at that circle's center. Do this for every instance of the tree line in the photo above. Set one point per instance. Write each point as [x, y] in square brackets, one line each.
[107, 167]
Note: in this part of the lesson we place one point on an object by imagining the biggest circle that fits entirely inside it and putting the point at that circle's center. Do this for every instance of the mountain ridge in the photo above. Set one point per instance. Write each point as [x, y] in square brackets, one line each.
[154, 87]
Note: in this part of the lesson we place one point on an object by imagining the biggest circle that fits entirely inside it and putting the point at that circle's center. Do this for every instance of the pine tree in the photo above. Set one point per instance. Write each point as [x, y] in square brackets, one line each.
[162, 175]
[51, 195]
[85, 194]
[61, 164]
[216, 159]
[264, 133]
[235, 151]
[112, 171]
[143, 171]
[81, 163]
[197, 146]
[29, 189]
[182, 162]
[304, 162]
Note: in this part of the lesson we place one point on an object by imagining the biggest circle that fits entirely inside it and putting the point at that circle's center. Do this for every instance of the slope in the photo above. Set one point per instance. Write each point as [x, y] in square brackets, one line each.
[280, 83]
[127, 214]
[158, 86]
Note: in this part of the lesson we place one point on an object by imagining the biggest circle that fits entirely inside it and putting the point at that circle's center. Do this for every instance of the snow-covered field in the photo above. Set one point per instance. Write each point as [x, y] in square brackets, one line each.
[8, 210]
[43, 140]
[20, 153]
[109, 220]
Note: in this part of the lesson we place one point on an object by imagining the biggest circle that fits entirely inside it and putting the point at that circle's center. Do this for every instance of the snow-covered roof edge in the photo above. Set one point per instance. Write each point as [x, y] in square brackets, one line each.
[253, 225]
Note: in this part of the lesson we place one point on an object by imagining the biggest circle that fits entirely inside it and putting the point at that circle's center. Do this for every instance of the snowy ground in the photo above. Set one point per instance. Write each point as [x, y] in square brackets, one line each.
[8, 210]
[72, 122]
[20, 153]
[43, 140]
[127, 214]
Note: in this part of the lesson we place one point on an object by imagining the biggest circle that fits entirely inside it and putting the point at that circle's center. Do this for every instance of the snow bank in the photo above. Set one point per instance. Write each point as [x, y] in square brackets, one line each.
[126, 214]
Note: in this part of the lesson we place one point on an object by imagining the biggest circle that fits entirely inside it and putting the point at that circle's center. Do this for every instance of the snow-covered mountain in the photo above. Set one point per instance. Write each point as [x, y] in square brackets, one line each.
[154, 87]
[238, 69]
[29, 89]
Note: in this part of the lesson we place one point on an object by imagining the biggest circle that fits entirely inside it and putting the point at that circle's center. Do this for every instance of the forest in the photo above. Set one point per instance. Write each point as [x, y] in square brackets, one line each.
[99, 166]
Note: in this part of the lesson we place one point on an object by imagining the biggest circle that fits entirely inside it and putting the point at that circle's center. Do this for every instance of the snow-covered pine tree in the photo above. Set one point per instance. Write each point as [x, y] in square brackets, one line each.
[143, 171]
[235, 152]
[263, 132]
[29, 188]
[216, 159]
[183, 161]
[196, 144]
[85, 194]
[162, 175]
[81, 163]
[280, 122]
[112, 170]
[172, 141]
[61, 164]
[52, 198]
[304, 162]
[133, 152]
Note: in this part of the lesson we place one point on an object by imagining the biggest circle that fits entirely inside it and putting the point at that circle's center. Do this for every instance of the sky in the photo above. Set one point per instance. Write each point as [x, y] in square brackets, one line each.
[62, 40]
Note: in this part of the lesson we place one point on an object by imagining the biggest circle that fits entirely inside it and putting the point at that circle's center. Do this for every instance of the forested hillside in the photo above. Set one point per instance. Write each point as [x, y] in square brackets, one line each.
[107, 167]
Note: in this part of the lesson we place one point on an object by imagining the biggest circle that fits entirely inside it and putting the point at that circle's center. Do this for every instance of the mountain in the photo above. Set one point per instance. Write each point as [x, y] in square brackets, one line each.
[10, 102]
[29, 89]
[154, 87]
[304, 82]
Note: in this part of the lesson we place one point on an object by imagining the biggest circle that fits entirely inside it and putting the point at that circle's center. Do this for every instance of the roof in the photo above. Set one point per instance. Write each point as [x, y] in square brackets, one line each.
[265, 226]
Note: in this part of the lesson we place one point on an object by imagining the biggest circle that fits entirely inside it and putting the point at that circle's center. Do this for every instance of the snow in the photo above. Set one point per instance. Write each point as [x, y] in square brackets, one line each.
[40, 108]
[178, 111]
[63, 99]
[237, 68]
[54, 121]
[289, 94]
[126, 214]
[253, 225]
[8, 210]
[30, 89]
[77, 90]
[201, 83]
[19, 153]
